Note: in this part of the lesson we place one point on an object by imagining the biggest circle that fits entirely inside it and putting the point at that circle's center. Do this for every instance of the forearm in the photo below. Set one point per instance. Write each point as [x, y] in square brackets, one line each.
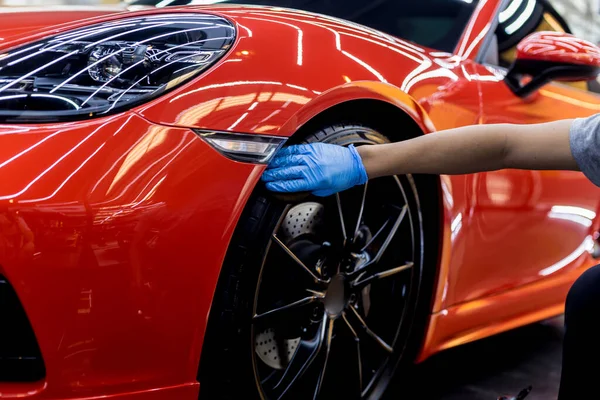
[474, 149]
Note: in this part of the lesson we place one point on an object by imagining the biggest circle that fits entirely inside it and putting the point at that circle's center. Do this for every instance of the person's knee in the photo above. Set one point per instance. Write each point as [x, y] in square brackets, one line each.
[584, 295]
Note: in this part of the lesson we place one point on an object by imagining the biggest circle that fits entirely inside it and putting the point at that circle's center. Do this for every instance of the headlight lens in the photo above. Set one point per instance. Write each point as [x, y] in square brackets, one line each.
[108, 67]
[257, 149]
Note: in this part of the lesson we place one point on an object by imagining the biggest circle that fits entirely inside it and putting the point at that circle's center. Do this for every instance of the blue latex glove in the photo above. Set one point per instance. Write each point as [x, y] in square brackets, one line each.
[319, 168]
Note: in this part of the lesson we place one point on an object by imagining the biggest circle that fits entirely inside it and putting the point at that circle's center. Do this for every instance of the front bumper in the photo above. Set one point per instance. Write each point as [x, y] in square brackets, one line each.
[119, 230]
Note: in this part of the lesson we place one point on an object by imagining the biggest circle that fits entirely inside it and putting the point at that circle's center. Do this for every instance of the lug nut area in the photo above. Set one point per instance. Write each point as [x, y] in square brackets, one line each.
[336, 296]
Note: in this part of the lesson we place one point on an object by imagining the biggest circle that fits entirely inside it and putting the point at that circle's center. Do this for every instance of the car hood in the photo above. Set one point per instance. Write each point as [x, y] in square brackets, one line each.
[17, 22]
[280, 55]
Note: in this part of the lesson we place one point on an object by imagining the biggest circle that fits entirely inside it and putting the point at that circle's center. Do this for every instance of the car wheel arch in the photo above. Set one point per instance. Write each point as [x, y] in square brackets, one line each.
[380, 106]
[367, 100]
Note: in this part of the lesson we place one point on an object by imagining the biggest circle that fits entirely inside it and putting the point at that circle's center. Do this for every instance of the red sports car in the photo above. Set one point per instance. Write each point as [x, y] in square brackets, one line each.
[141, 257]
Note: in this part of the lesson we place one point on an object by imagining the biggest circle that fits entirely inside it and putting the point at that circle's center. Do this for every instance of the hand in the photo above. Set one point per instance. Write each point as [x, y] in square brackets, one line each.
[319, 168]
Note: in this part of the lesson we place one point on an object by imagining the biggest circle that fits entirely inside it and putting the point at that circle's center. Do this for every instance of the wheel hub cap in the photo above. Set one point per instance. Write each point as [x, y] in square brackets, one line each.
[335, 298]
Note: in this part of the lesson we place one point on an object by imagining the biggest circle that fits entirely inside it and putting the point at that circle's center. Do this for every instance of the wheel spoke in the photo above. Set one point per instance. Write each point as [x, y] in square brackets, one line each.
[385, 244]
[305, 355]
[370, 242]
[341, 213]
[362, 282]
[330, 323]
[362, 208]
[288, 307]
[268, 377]
[357, 340]
[373, 335]
[296, 259]
[391, 235]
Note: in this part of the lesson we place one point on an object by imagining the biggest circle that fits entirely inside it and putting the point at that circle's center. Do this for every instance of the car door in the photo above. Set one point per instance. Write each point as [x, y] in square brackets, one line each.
[525, 225]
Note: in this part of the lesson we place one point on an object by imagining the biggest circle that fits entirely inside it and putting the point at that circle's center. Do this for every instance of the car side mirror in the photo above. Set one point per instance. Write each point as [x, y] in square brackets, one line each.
[546, 56]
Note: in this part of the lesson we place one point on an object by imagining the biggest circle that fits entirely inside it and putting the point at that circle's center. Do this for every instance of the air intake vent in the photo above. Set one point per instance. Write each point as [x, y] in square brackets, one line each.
[20, 358]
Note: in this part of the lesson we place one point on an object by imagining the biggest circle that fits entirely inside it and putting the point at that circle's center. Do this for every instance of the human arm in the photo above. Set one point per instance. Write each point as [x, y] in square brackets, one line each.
[324, 169]
[474, 148]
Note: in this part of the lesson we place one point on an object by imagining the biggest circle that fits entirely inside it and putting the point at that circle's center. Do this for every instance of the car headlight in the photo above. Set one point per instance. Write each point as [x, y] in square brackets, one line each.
[108, 67]
[258, 149]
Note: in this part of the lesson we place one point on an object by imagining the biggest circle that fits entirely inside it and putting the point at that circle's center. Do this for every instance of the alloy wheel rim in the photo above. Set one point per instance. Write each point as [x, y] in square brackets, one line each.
[334, 300]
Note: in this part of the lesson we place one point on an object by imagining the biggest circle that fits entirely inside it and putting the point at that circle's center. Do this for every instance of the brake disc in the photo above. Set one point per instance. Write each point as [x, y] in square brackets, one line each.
[302, 219]
[268, 350]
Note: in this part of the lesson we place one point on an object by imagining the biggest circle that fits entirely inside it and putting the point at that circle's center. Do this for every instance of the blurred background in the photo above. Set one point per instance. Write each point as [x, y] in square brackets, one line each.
[583, 16]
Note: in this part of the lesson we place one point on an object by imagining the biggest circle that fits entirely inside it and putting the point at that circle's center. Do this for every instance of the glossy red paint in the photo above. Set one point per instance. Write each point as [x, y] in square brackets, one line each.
[113, 230]
[17, 23]
[558, 47]
[25, 26]
[99, 222]
[268, 97]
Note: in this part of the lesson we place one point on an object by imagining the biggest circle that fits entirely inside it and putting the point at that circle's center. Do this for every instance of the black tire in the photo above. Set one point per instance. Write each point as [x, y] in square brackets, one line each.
[227, 367]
